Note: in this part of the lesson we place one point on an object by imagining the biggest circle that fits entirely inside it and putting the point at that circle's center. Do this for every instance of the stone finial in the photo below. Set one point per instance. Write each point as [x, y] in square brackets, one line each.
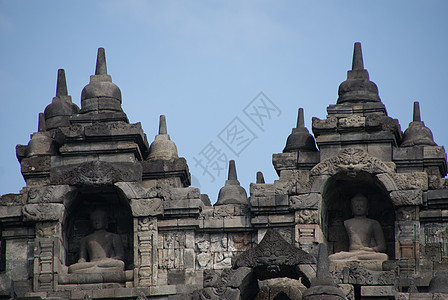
[416, 115]
[61, 86]
[232, 192]
[162, 125]
[417, 133]
[101, 67]
[163, 147]
[260, 177]
[41, 123]
[57, 114]
[232, 171]
[41, 144]
[101, 95]
[358, 88]
[323, 276]
[300, 139]
[323, 286]
[357, 63]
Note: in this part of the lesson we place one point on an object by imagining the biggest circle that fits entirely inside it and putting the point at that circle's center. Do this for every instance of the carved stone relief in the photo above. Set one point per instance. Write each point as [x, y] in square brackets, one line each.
[351, 161]
[272, 254]
[147, 251]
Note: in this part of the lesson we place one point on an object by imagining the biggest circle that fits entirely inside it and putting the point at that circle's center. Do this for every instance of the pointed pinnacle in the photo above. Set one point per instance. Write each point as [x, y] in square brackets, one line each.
[41, 123]
[232, 170]
[101, 67]
[416, 116]
[300, 119]
[357, 63]
[61, 85]
[162, 125]
[323, 270]
[260, 177]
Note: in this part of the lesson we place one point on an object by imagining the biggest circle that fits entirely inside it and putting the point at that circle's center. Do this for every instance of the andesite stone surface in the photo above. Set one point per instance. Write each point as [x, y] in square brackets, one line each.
[159, 238]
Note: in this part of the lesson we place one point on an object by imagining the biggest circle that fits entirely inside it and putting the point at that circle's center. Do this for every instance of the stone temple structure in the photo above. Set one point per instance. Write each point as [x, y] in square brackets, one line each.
[359, 211]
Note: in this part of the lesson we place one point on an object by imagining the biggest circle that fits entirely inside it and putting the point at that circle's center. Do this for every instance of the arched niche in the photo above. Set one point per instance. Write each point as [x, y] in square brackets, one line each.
[277, 263]
[77, 220]
[336, 208]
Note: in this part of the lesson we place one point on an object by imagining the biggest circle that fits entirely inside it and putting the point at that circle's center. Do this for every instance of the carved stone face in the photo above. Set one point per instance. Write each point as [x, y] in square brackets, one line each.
[359, 205]
[98, 219]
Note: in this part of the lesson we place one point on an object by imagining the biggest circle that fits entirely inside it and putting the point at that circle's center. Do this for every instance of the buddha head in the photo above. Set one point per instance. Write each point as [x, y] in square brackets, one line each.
[359, 205]
[98, 219]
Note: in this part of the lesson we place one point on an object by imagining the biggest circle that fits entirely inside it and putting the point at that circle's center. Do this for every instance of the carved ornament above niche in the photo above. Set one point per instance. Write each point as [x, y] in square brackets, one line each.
[352, 161]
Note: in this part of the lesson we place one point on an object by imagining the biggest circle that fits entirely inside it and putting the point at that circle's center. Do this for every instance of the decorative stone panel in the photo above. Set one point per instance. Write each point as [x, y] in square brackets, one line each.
[308, 233]
[96, 173]
[408, 197]
[352, 160]
[51, 194]
[406, 250]
[305, 201]
[146, 207]
[411, 181]
[43, 212]
[44, 264]
[145, 251]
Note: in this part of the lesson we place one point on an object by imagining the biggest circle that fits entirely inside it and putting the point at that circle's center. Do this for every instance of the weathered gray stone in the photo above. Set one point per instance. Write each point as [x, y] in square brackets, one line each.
[5, 286]
[388, 181]
[176, 277]
[163, 147]
[328, 125]
[146, 207]
[407, 230]
[96, 173]
[352, 121]
[43, 212]
[439, 283]
[409, 197]
[17, 259]
[10, 211]
[437, 198]
[284, 161]
[232, 192]
[378, 291]
[184, 193]
[132, 190]
[352, 161]
[300, 139]
[305, 201]
[264, 190]
[52, 194]
[411, 181]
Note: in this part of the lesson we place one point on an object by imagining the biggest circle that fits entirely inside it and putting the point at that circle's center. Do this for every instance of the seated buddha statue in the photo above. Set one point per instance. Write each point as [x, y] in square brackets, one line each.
[100, 251]
[366, 238]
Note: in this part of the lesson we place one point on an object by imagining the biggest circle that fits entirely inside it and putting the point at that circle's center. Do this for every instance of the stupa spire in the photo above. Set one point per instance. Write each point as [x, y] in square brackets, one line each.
[358, 88]
[162, 125]
[300, 119]
[232, 192]
[57, 114]
[357, 63]
[61, 85]
[260, 177]
[416, 115]
[163, 147]
[300, 138]
[323, 285]
[232, 171]
[101, 67]
[101, 95]
[417, 133]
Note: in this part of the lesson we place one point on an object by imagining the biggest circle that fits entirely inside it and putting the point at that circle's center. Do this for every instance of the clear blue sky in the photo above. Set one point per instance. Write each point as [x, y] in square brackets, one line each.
[202, 62]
